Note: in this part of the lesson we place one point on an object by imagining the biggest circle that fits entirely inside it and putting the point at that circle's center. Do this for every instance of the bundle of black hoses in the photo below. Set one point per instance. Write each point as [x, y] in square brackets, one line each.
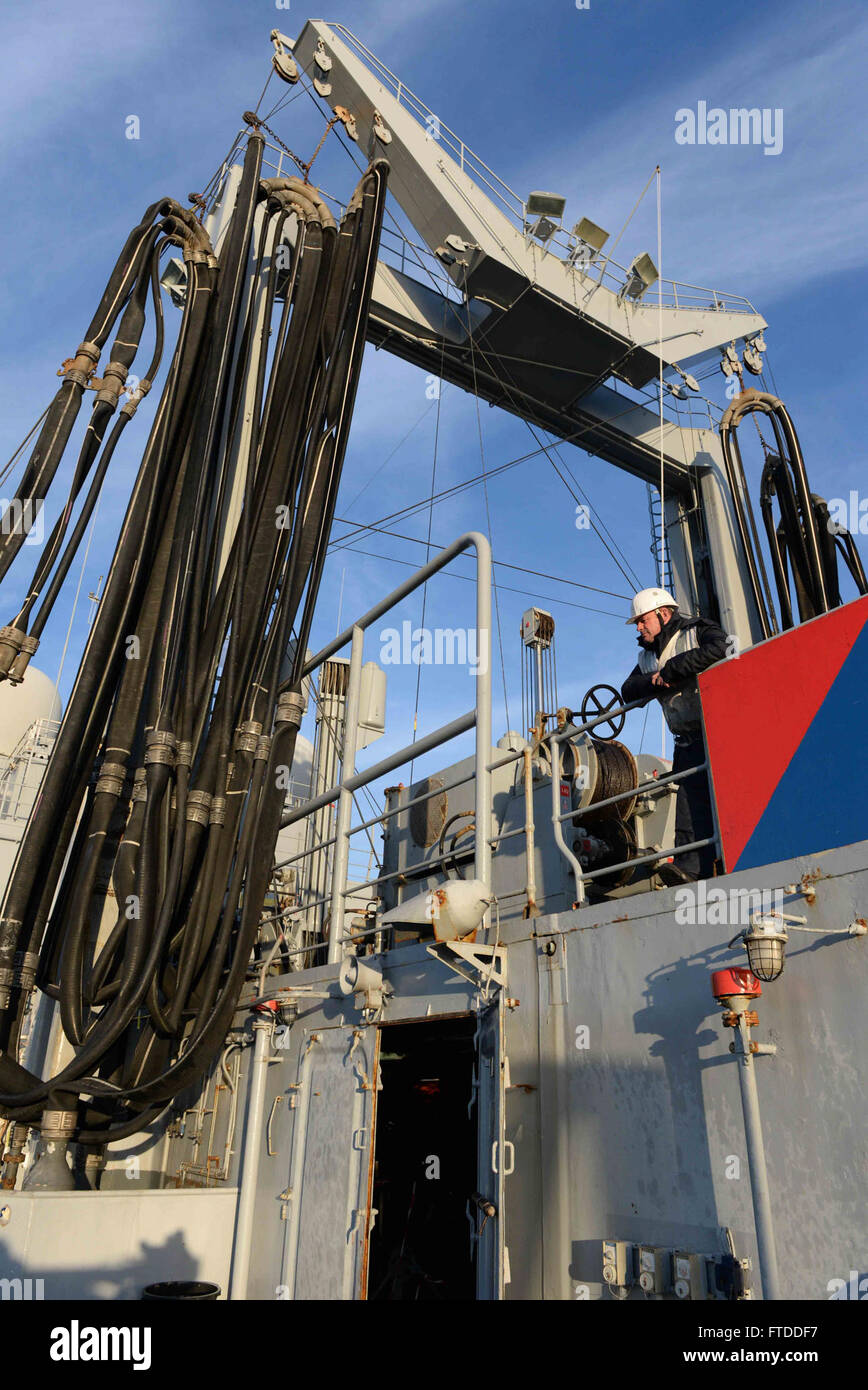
[803, 539]
[167, 778]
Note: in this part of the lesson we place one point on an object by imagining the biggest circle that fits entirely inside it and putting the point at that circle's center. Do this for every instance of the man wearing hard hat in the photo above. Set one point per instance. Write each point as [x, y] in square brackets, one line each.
[674, 650]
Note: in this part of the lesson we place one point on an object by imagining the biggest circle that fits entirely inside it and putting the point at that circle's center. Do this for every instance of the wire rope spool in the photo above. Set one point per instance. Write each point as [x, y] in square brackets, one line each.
[617, 773]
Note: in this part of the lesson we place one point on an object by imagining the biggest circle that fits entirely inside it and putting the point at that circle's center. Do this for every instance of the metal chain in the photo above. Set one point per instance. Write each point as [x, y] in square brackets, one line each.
[250, 118]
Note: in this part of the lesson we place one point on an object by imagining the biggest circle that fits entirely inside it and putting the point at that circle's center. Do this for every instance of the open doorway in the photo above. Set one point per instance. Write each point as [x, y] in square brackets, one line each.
[425, 1163]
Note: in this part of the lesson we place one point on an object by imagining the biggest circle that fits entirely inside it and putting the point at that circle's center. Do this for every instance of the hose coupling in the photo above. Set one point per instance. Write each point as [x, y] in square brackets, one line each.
[10, 645]
[29, 645]
[263, 748]
[218, 811]
[9, 929]
[198, 807]
[24, 970]
[290, 708]
[79, 369]
[160, 747]
[111, 778]
[135, 398]
[185, 753]
[140, 785]
[112, 383]
[247, 735]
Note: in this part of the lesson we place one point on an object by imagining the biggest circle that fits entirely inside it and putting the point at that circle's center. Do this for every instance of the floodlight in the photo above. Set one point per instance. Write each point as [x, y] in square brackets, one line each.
[590, 234]
[640, 277]
[548, 204]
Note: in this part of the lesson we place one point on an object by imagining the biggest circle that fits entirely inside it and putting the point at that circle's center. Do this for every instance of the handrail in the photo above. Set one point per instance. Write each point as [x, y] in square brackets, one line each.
[558, 817]
[678, 293]
[479, 718]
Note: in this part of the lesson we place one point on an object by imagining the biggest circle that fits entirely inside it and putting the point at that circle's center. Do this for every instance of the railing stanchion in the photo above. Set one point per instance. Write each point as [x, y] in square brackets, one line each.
[345, 799]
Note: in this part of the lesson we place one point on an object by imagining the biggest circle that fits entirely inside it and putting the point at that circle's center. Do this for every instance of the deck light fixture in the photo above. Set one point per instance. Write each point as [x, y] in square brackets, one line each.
[641, 276]
[765, 940]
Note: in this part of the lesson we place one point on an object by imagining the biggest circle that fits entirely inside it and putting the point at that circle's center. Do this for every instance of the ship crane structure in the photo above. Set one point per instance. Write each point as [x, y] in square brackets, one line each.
[478, 1057]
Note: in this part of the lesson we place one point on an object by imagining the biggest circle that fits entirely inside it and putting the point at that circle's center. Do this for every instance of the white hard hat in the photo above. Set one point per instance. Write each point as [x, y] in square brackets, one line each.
[647, 600]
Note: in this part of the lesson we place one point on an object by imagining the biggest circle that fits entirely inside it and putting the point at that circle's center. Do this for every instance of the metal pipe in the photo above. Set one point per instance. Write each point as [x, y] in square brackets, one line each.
[250, 1159]
[361, 779]
[415, 581]
[529, 846]
[540, 698]
[759, 1178]
[482, 673]
[654, 858]
[556, 822]
[345, 798]
[638, 790]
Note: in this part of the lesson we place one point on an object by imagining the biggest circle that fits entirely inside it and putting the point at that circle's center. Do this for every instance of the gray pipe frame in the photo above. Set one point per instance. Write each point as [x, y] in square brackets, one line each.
[345, 798]
[480, 717]
[556, 818]
[262, 1030]
[756, 1157]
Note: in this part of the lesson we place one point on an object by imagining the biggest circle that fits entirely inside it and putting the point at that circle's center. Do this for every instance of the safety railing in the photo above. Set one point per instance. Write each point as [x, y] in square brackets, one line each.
[600, 270]
[397, 249]
[340, 891]
[18, 782]
[653, 784]
[350, 781]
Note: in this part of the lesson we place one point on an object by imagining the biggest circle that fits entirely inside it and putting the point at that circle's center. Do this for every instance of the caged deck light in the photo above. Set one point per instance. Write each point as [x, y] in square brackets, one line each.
[765, 940]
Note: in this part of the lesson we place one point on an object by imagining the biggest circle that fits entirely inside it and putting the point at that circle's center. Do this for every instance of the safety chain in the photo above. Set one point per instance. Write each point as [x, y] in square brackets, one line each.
[250, 118]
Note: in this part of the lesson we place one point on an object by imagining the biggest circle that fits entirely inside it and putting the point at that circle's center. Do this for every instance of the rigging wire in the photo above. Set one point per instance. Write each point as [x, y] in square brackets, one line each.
[446, 493]
[662, 570]
[77, 593]
[472, 342]
[504, 564]
[507, 589]
[8, 467]
[377, 471]
[483, 477]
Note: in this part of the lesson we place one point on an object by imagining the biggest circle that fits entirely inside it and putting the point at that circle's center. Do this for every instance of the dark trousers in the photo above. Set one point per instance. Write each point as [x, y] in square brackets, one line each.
[693, 820]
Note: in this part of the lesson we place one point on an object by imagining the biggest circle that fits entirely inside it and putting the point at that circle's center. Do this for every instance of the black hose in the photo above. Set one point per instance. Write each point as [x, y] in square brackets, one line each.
[182, 730]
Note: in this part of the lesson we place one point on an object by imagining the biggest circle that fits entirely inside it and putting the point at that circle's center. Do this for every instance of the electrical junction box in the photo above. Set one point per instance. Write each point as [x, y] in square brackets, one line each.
[653, 1269]
[688, 1275]
[617, 1263]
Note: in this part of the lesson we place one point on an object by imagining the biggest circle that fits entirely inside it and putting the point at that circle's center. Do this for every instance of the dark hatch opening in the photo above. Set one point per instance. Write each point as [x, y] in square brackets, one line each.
[425, 1163]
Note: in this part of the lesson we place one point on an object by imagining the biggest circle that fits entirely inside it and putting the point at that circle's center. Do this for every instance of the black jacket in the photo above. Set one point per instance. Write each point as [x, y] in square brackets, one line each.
[679, 670]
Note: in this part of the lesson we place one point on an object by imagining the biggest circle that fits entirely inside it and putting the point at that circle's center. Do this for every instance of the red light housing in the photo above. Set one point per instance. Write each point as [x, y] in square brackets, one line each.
[735, 983]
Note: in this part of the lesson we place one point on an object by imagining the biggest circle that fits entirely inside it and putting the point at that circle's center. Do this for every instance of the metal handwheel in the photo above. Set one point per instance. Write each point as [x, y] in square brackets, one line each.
[592, 706]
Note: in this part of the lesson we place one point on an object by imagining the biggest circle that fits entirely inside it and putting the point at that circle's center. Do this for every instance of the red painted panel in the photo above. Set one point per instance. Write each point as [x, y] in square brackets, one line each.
[757, 709]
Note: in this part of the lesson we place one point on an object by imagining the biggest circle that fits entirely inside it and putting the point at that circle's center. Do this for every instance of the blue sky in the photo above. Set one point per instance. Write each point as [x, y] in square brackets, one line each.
[581, 101]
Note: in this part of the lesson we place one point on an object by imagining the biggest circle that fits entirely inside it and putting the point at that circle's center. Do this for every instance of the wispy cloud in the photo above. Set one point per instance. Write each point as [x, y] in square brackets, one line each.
[733, 217]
